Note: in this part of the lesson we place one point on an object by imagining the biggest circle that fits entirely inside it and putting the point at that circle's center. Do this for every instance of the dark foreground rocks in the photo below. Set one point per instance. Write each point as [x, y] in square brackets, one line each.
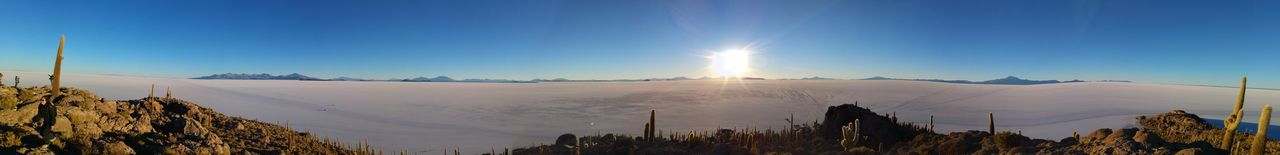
[83, 123]
[1175, 132]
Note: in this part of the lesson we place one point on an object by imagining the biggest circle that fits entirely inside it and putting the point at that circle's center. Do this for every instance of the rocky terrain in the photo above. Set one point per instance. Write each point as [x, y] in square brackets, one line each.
[80, 122]
[1175, 132]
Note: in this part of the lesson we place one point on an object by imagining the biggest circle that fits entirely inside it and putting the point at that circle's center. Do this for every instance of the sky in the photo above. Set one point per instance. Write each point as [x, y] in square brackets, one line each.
[1158, 41]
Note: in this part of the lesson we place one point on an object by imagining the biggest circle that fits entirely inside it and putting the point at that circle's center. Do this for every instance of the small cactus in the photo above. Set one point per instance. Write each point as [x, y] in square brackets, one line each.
[931, 123]
[1260, 138]
[16, 80]
[646, 131]
[1232, 121]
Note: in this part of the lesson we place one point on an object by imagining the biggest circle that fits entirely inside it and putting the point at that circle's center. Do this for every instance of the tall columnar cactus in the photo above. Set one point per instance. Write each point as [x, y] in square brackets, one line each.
[1233, 120]
[991, 122]
[1258, 140]
[652, 125]
[16, 80]
[168, 92]
[850, 134]
[646, 131]
[57, 68]
[152, 94]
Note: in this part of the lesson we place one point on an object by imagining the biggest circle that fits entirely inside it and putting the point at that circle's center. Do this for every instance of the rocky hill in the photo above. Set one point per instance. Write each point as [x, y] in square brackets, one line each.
[80, 122]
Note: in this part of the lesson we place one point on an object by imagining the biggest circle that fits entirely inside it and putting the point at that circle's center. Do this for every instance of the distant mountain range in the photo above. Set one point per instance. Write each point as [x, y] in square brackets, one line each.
[1011, 80]
[425, 79]
[263, 76]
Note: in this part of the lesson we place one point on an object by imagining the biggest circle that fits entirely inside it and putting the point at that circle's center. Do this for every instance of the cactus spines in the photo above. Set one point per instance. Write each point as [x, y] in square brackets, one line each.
[1263, 122]
[991, 122]
[57, 68]
[850, 134]
[1232, 121]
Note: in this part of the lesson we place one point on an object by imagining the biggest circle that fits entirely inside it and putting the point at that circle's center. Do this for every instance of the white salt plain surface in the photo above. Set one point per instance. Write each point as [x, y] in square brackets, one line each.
[429, 117]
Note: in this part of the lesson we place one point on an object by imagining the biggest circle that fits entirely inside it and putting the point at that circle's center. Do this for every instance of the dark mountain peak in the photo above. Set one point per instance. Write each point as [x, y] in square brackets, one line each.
[262, 76]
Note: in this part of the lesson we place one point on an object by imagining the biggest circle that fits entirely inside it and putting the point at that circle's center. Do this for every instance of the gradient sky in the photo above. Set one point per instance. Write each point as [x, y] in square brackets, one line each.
[1160, 41]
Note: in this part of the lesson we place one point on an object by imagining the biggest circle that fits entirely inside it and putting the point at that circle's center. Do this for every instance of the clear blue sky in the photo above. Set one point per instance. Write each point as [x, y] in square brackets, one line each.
[1190, 42]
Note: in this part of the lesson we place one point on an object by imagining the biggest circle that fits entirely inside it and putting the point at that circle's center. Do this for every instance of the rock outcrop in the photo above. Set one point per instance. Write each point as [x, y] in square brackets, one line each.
[84, 123]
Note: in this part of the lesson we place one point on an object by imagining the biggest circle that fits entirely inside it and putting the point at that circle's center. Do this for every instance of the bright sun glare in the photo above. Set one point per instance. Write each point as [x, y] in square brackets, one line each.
[732, 63]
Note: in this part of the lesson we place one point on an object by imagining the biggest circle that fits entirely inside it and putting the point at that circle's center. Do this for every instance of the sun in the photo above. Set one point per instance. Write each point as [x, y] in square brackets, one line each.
[731, 63]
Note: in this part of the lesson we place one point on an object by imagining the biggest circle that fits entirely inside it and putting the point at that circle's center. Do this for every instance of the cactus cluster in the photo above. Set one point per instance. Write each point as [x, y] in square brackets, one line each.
[1075, 135]
[850, 134]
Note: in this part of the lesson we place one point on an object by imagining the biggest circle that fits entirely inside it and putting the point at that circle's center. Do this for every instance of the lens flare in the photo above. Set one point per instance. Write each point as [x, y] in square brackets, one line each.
[732, 63]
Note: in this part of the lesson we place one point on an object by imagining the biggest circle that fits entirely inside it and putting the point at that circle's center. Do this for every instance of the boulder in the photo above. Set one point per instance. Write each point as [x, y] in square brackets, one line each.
[877, 129]
[21, 115]
[116, 148]
[568, 140]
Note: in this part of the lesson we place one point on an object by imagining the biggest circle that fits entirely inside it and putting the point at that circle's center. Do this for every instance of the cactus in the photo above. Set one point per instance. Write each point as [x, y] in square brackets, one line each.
[1260, 138]
[1, 79]
[651, 125]
[851, 134]
[16, 80]
[646, 131]
[930, 123]
[168, 92]
[1232, 121]
[991, 123]
[152, 94]
[1076, 135]
[57, 68]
